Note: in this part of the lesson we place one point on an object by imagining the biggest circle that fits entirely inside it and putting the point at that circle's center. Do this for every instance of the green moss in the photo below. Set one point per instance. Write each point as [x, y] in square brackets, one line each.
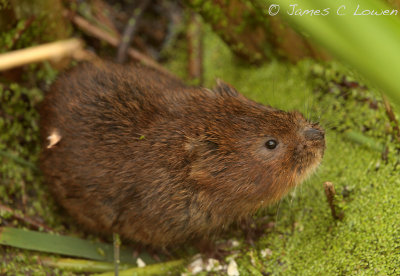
[366, 241]
[18, 138]
[18, 262]
[21, 184]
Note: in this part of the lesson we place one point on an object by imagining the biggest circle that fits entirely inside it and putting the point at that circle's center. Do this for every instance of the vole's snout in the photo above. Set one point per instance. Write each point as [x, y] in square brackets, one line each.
[313, 134]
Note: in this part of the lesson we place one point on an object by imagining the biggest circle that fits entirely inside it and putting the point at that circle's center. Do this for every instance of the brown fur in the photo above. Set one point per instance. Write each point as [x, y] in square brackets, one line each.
[143, 155]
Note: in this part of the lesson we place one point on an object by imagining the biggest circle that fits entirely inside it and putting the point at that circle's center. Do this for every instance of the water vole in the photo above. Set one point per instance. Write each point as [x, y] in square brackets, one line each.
[131, 151]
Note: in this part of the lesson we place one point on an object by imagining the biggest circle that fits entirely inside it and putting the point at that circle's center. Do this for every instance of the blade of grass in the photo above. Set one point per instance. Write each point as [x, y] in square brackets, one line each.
[18, 160]
[64, 245]
[80, 265]
[154, 269]
[361, 139]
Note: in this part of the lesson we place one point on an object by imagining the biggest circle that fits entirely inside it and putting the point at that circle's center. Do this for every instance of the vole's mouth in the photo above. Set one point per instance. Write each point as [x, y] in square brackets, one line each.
[307, 166]
[315, 137]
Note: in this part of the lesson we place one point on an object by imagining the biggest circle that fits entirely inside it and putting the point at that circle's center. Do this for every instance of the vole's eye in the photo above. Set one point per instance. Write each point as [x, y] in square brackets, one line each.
[271, 144]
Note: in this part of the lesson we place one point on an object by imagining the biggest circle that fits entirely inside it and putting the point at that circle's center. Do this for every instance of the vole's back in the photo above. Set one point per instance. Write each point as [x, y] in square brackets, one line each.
[131, 151]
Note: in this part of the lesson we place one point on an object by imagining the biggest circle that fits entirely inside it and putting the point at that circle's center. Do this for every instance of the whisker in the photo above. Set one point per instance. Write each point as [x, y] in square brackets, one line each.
[277, 212]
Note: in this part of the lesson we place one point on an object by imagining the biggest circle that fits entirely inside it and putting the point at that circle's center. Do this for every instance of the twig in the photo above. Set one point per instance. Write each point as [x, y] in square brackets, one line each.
[130, 30]
[17, 36]
[24, 198]
[87, 27]
[54, 50]
[114, 40]
[195, 48]
[117, 244]
[330, 195]
[28, 220]
[102, 14]
[392, 117]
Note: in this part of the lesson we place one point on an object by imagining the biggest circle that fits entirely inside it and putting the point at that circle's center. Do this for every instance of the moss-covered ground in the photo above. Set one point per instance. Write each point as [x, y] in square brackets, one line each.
[303, 238]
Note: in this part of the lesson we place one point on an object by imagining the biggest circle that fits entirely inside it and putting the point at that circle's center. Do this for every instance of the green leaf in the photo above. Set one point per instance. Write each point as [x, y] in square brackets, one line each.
[63, 245]
[368, 43]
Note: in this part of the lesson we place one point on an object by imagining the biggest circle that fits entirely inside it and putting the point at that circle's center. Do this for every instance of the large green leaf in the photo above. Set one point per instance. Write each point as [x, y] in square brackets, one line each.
[368, 43]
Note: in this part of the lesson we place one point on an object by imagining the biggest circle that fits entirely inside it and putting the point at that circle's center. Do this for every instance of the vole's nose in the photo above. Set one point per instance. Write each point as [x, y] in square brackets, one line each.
[314, 134]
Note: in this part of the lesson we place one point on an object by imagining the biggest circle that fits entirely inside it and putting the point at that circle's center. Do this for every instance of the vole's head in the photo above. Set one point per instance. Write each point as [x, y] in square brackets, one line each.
[253, 152]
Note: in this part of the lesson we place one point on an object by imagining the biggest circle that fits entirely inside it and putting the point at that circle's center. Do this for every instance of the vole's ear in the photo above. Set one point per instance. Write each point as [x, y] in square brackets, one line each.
[224, 88]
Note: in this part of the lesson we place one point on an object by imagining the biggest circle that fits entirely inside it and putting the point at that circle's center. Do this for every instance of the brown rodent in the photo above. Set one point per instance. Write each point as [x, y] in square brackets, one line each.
[131, 151]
